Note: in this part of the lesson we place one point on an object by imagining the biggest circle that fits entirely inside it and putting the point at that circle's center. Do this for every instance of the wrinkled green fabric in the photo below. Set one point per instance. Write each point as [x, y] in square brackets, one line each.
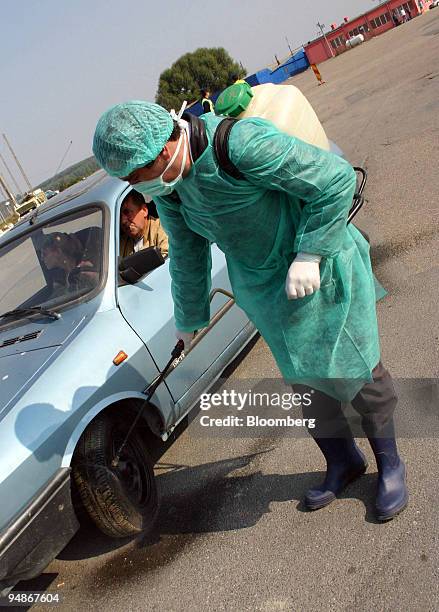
[380, 292]
[296, 197]
[130, 135]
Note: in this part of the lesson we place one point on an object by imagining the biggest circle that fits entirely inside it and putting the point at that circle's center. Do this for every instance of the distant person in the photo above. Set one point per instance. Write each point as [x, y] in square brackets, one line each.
[403, 14]
[139, 229]
[206, 102]
[236, 79]
[395, 18]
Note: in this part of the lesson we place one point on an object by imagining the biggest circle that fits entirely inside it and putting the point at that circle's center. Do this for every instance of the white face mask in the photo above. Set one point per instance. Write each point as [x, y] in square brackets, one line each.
[157, 186]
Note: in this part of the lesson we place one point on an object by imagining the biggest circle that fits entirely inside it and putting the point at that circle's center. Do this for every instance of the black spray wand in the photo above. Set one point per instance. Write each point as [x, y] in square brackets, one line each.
[175, 354]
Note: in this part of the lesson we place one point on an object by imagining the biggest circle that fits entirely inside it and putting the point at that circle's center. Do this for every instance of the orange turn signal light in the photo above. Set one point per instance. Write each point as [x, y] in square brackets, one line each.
[120, 358]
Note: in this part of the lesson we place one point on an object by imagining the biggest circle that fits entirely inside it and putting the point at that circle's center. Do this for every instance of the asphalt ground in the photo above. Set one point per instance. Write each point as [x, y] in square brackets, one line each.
[232, 533]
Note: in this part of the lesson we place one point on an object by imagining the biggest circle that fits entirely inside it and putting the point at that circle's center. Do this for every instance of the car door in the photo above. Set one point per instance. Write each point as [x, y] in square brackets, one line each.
[147, 306]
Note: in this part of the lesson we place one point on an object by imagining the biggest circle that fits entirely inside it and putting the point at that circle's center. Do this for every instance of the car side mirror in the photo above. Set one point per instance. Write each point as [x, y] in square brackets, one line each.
[133, 267]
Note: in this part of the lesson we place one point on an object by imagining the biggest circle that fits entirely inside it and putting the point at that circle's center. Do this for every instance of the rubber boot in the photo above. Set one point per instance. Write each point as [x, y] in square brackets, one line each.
[392, 494]
[345, 462]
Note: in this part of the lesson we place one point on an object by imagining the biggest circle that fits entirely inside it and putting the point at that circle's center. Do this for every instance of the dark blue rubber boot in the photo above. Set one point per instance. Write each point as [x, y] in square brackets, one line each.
[392, 494]
[345, 462]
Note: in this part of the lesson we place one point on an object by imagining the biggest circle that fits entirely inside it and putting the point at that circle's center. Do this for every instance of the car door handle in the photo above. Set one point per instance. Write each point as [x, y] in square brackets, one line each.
[216, 317]
[200, 335]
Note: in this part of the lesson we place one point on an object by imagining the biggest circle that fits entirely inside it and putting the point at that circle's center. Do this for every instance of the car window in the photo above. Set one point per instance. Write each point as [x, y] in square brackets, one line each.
[53, 264]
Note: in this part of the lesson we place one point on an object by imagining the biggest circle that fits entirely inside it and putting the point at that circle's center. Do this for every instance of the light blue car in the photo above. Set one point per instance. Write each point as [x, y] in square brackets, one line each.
[80, 343]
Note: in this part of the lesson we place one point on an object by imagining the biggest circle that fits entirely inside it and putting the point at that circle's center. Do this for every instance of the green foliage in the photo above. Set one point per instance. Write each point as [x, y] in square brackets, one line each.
[203, 69]
[71, 175]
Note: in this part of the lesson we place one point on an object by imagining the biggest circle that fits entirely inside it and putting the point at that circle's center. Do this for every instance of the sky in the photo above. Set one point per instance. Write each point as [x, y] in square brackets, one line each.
[64, 62]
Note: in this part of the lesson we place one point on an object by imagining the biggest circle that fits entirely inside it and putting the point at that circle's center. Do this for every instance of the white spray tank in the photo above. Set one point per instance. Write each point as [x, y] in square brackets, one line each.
[354, 41]
[284, 105]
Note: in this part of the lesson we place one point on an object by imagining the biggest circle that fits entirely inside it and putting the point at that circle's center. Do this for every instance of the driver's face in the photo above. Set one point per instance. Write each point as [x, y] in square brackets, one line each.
[133, 218]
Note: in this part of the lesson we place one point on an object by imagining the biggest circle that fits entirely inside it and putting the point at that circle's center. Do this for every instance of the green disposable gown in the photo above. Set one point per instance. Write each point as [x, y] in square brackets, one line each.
[295, 197]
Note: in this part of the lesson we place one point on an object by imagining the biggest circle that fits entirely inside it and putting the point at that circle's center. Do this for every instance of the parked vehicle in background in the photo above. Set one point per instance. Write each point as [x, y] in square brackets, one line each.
[31, 200]
[50, 193]
[82, 337]
[434, 4]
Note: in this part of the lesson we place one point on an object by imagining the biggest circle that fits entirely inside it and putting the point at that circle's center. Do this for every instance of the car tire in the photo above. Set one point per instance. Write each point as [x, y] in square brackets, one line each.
[122, 500]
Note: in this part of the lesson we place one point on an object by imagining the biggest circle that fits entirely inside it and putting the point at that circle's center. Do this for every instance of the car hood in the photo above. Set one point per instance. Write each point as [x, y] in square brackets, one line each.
[26, 348]
[33, 334]
[18, 371]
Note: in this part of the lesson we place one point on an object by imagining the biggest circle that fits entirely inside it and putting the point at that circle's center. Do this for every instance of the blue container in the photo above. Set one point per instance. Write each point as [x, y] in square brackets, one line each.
[294, 65]
[252, 80]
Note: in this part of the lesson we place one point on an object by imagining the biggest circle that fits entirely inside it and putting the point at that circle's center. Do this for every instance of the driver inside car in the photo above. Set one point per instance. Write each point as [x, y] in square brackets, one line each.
[139, 227]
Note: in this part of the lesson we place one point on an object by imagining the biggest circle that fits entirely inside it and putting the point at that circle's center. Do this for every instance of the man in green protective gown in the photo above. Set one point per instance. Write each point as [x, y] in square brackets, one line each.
[302, 275]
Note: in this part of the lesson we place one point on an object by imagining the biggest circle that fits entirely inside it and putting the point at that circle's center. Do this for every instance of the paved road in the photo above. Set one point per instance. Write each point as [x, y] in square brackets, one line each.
[232, 534]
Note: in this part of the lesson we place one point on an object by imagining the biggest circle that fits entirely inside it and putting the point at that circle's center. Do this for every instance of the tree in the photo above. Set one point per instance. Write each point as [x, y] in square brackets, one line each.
[205, 68]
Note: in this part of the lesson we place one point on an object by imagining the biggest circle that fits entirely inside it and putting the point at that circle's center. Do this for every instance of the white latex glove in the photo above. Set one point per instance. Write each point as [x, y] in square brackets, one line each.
[187, 337]
[303, 276]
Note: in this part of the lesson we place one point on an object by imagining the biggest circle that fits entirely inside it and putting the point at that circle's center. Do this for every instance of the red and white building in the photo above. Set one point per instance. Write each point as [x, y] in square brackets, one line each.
[379, 19]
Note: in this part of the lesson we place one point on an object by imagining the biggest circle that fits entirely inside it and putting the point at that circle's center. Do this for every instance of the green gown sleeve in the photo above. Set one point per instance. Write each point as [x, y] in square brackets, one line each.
[190, 266]
[322, 182]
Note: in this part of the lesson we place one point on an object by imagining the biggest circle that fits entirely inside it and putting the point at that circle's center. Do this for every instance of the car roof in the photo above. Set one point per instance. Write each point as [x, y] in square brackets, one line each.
[98, 187]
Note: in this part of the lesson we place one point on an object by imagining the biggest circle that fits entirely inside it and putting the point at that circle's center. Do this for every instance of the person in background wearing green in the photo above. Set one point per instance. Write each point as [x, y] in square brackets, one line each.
[301, 274]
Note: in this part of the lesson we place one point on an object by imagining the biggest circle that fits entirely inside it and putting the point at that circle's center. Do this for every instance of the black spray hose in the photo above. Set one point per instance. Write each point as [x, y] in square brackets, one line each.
[358, 197]
[175, 354]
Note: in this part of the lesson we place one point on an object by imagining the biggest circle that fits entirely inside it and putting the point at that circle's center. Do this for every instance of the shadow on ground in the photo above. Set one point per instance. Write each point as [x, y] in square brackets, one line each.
[230, 494]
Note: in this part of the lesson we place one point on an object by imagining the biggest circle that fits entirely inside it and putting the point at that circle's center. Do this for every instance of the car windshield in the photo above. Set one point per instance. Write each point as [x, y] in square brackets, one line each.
[53, 264]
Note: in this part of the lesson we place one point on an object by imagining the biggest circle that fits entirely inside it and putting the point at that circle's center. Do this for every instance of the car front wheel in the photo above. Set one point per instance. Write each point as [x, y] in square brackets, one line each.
[122, 500]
